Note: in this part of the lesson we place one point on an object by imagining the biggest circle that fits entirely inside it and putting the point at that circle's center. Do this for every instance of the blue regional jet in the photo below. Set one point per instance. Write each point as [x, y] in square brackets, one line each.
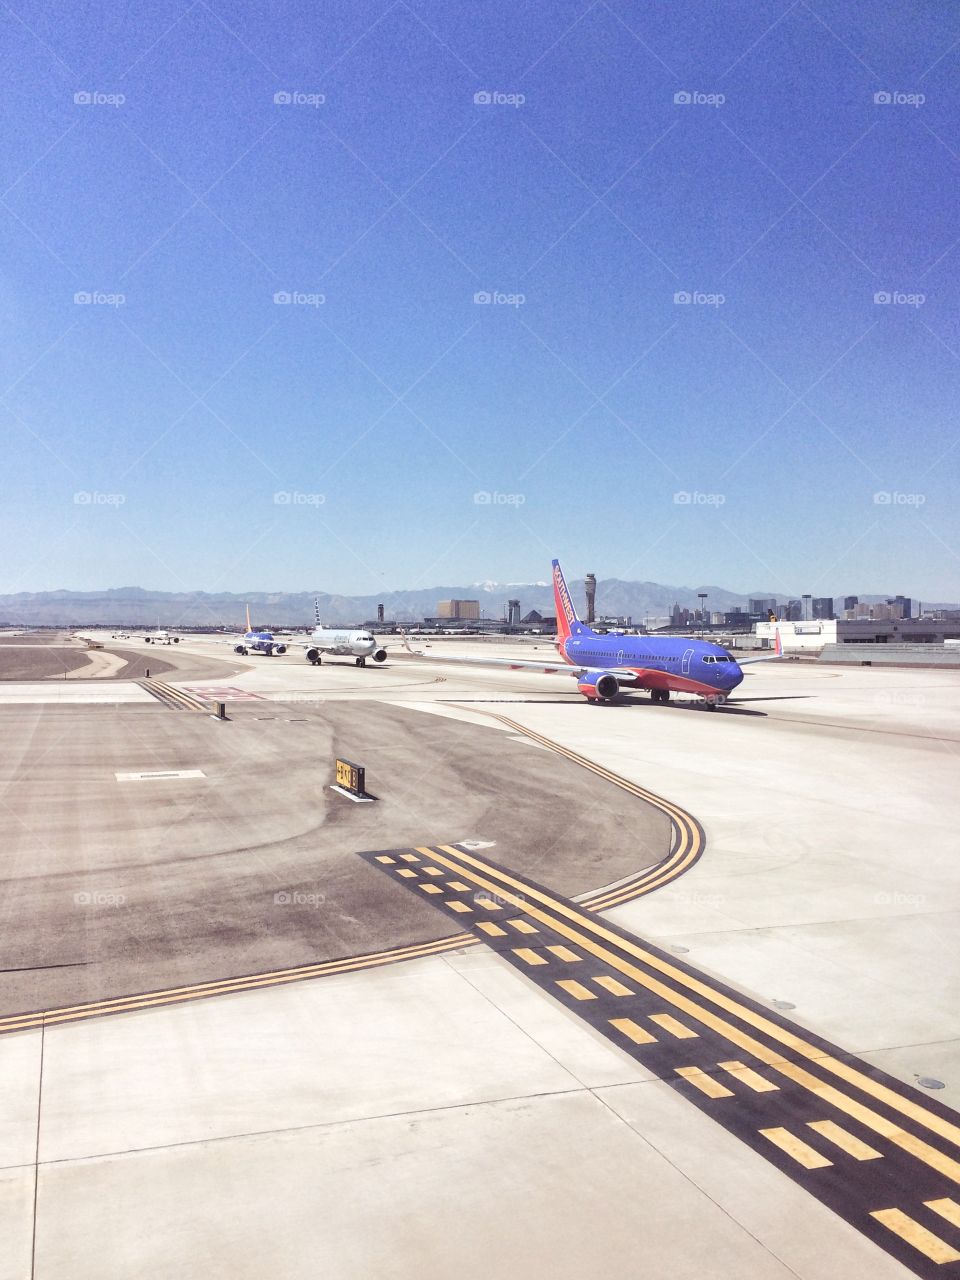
[605, 664]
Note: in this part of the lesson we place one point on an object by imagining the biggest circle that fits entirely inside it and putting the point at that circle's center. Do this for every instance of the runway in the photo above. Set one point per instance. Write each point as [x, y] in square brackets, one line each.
[809, 922]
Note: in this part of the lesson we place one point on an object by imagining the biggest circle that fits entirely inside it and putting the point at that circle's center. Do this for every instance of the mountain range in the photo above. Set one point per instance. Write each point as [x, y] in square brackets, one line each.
[135, 606]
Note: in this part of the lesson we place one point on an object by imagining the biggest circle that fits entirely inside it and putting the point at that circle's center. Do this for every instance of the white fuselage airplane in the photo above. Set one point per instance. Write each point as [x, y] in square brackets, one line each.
[334, 642]
[161, 637]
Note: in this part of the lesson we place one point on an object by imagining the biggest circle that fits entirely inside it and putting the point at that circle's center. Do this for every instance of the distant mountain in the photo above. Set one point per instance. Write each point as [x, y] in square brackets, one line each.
[136, 606]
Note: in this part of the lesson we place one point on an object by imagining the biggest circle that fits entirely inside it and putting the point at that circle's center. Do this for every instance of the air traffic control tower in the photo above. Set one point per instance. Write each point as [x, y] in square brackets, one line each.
[590, 586]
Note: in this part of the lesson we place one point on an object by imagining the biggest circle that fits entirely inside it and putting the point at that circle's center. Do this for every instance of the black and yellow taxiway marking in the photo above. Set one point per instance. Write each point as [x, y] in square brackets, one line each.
[686, 847]
[869, 1147]
[176, 699]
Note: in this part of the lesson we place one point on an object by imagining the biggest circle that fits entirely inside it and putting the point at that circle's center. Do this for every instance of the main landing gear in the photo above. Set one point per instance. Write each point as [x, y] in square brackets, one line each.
[660, 695]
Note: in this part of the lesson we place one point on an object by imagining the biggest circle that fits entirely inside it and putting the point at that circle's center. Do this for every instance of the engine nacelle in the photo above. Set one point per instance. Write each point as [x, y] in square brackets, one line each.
[313, 655]
[599, 686]
[280, 648]
[239, 648]
[380, 655]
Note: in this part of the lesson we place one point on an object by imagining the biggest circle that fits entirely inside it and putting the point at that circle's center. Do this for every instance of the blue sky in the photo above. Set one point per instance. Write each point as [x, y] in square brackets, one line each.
[168, 422]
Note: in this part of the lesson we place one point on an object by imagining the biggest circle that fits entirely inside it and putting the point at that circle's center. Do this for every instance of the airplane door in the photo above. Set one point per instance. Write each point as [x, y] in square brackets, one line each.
[620, 658]
[685, 666]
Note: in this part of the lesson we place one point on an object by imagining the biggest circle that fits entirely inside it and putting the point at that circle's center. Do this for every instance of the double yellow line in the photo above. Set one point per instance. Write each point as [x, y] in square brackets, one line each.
[699, 1000]
[228, 986]
[688, 839]
[167, 693]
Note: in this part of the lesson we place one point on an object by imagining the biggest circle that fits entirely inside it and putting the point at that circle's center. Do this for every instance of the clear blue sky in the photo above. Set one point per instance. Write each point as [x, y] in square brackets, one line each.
[585, 188]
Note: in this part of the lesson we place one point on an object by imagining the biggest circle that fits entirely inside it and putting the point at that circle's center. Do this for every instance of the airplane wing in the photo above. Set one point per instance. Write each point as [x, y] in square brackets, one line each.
[769, 657]
[624, 676]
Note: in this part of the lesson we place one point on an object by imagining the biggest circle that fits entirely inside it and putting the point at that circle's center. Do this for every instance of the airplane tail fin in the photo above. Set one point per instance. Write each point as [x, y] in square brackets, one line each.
[567, 620]
[778, 650]
[249, 627]
[316, 609]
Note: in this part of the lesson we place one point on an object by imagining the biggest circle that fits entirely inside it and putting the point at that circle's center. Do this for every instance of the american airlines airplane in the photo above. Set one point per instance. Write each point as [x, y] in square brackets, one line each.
[604, 664]
[359, 645]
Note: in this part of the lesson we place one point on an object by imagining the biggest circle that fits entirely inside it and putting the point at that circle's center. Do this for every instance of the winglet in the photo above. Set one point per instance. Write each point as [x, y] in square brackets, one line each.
[778, 650]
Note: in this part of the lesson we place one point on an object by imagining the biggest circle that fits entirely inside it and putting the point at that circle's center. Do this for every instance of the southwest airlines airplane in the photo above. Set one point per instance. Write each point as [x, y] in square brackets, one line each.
[603, 664]
[256, 642]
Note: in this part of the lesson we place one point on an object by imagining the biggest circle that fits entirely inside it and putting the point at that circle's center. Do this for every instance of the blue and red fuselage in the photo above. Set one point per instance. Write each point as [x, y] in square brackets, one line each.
[668, 663]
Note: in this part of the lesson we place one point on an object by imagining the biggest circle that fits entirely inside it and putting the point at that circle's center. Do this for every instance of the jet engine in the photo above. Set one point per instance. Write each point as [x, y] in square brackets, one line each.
[599, 686]
[313, 655]
[379, 655]
[280, 648]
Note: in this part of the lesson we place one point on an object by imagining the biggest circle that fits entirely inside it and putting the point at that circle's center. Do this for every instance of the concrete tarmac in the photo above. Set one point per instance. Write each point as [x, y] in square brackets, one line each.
[346, 1126]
